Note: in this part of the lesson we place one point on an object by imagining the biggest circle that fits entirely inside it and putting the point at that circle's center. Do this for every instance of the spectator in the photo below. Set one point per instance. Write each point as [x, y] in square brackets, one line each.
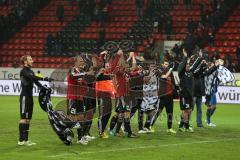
[191, 25]
[210, 38]
[189, 43]
[60, 13]
[15, 64]
[22, 11]
[238, 53]
[139, 5]
[2, 2]
[176, 50]
[109, 2]
[229, 58]
[228, 65]
[50, 43]
[187, 4]
[167, 55]
[91, 8]
[101, 37]
[237, 66]
[59, 44]
[168, 26]
[215, 56]
[151, 43]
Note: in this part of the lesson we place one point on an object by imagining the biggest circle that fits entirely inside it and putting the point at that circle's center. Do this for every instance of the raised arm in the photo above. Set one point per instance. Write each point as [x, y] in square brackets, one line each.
[31, 75]
[75, 75]
[182, 67]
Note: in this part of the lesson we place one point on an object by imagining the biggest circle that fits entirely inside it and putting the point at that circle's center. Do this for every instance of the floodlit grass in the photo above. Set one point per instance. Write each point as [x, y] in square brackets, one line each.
[222, 142]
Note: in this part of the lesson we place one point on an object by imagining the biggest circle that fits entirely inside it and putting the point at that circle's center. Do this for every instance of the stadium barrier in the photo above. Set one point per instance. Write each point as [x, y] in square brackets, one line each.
[225, 94]
[9, 73]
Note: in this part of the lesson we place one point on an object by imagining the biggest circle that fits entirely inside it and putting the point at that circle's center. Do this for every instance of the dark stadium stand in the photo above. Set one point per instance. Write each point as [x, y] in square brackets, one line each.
[80, 33]
[6, 8]
[31, 38]
[228, 36]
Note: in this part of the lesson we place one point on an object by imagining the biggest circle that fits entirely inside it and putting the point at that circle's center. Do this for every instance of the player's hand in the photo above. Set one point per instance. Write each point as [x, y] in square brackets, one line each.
[44, 87]
[172, 65]
[184, 52]
[119, 52]
[200, 54]
[91, 72]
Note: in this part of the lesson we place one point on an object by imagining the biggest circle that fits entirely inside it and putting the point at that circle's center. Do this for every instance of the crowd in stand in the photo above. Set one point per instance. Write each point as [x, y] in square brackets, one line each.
[97, 10]
[22, 11]
[89, 10]
[202, 33]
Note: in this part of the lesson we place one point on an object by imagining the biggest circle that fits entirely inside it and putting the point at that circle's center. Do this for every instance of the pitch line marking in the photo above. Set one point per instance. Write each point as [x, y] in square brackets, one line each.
[143, 147]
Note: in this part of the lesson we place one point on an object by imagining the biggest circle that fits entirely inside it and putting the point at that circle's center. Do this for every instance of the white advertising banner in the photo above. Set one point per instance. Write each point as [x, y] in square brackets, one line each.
[228, 94]
[168, 45]
[13, 87]
[13, 73]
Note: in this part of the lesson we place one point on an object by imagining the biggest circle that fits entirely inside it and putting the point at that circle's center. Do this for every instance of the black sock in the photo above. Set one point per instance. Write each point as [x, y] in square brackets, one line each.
[119, 124]
[208, 115]
[26, 132]
[127, 126]
[85, 128]
[89, 127]
[169, 121]
[113, 122]
[140, 119]
[213, 110]
[133, 111]
[181, 123]
[21, 130]
[105, 120]
[148, 121]
[155, 117]
[186, 124]
[80, 133]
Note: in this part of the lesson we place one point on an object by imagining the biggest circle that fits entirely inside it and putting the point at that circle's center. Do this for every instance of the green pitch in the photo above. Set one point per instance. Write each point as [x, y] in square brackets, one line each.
[205, 143]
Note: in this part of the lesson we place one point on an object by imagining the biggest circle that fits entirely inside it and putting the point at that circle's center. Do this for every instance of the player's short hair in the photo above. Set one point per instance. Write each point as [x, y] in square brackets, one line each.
[77, 57]
[24, 58]
[165, 60]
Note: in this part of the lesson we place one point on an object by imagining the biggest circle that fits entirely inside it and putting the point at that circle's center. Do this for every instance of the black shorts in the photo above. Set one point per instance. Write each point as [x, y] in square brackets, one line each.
[208, 98]
[186, 103]
[120, 107]
[90, 104]
[76, 107]
[26, 107]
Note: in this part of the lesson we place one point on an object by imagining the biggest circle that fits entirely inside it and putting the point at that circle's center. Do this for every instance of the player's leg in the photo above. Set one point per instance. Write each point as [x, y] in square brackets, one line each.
[149, 120]
[188, 111]
[26, 110]
[113, 122]
[140, 121]
[119, 122]
[158, 110]
[190, 103]
[134, 107]
[214, 103]
[184, 106]
[211, 110]
[90, 104]
[198, 101]
[114, 118]
[77, 110]
[107, 110]
[169, 111]
[120, 108]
